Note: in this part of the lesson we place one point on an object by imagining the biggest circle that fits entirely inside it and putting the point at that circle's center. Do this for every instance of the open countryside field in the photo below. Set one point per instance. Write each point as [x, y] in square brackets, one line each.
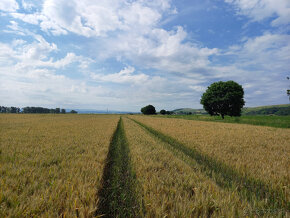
[141, 166]
[52, 165]
[260, 120]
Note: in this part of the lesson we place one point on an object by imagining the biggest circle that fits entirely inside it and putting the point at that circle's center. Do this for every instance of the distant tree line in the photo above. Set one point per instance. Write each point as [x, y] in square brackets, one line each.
[13, 110]
[34, 110]
[165, 112]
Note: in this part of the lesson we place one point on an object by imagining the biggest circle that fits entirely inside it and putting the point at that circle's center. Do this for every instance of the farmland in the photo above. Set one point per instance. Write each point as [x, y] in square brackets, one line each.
[94, 165]
[52, 165]
[260, 120]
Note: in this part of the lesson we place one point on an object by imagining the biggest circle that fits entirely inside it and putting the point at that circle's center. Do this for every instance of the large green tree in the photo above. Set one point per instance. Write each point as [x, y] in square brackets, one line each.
[223, 98]
[149, 109]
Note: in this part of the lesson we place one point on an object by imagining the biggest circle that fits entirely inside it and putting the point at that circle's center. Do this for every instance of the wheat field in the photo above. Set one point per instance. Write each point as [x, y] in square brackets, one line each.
[140, 166]
[51, 165]
[171, 187]
[261, 152]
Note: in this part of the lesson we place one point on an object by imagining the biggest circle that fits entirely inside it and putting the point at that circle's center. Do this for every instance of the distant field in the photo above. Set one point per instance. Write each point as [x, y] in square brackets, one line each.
[250, 109]
[282, 109]
[273, 121]
[141, 166]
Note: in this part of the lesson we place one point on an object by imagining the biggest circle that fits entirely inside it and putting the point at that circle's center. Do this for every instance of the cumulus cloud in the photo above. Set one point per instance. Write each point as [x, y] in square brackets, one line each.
[8, 5]
[163, 50]
[131, 33]
[268, 53]
[259, 10]
[124, 76]
[128, 30]
[95, 18]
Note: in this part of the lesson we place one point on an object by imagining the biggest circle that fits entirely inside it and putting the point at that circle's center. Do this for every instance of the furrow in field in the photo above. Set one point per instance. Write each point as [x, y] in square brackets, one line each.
[173, 188]
[260, 152]
[252, 189]
[119, 195]
[51, 165]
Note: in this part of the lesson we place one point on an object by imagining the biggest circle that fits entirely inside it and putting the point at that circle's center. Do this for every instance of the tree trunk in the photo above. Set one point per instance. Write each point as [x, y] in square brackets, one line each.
[223, 116]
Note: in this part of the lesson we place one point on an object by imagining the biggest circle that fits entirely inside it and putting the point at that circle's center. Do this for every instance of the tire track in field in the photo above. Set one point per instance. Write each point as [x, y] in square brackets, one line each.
[119, 196]
[226, 177]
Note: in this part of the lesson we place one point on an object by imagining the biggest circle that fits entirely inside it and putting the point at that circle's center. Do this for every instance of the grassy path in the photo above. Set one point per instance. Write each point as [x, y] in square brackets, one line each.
[118, 195]
[252, 189]
[257, 120]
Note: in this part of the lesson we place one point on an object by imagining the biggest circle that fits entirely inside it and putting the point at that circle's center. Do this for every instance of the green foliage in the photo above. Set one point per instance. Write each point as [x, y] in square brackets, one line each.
[273, 121]
[118, 196]
[14, 110]
[188, 111]
[281, 111]
[73, 112]
[149, 109]
[163, 112]
[223, 98]
[41, 110]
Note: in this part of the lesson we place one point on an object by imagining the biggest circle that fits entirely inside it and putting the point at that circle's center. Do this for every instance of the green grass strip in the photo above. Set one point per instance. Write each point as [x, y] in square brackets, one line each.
[226, 177]
[256, 120]
[119, 196]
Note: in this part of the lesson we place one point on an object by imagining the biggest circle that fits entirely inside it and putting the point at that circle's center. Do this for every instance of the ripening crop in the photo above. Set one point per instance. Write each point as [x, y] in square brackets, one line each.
[67, 165]
[252, 159]
[261, 152]
[173, 188]
[52, 165]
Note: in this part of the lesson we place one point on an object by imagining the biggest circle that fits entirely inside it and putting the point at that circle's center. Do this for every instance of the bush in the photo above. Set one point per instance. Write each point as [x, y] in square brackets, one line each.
[149, 109]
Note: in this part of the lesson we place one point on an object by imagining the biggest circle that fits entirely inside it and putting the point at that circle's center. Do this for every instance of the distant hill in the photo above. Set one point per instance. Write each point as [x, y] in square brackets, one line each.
[90, 111]
[189, 111]
[282, 109]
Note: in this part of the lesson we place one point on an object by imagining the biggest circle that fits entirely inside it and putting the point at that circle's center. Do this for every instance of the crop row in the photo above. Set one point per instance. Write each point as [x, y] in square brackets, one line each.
[104, 165]
[52, 165]
[252, 189]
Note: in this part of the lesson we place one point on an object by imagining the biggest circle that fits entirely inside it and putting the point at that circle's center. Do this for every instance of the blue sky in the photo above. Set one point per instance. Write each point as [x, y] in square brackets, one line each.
[125, 54]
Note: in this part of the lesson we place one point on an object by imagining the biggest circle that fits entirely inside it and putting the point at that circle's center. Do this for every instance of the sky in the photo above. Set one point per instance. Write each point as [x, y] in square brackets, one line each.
[125, 54]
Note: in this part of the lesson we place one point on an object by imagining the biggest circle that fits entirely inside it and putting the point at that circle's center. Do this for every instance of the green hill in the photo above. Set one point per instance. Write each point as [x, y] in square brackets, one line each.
[282, 109]
[189, 111]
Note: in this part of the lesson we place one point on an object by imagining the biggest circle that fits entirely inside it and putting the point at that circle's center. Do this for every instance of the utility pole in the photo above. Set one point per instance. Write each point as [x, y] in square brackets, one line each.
[288, 90]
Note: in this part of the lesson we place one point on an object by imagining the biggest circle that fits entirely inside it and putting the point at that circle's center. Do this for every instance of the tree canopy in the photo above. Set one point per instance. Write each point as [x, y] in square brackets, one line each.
[39, 110]
[223, 98]
[163, 112]
[149, 109]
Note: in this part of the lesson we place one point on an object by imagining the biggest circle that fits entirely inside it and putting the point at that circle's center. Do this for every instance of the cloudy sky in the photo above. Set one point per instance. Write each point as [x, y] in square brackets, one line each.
[125, 54]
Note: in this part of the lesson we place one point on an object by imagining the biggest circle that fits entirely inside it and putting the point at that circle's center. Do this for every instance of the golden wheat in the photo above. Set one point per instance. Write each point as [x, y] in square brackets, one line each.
[171, 187]
[260, 152]
[51, 165]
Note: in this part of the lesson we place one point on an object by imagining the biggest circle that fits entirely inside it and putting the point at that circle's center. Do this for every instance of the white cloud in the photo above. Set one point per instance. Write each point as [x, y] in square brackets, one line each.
[124, 76]
[259, 10]
[267, 53]
[29, 18]
[91, 18]
[198, 88]
[127, 30]
[159, 49]
[131, 32]
[8, 5]
[27, 4]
